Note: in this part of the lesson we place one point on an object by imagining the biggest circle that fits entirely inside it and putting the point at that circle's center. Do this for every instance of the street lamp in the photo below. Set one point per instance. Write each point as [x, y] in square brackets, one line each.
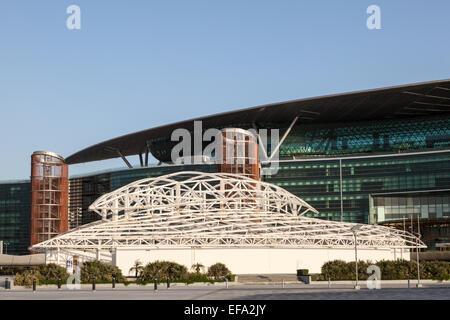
[354, 229]
[418, 285]
[6, 247]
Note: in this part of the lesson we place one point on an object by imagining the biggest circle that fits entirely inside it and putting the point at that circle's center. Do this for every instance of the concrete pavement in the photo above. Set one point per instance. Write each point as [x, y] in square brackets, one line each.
[389, 291]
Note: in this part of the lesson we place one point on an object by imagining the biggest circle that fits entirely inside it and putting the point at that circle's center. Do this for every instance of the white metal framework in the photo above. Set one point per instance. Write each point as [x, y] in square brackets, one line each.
[213, 210]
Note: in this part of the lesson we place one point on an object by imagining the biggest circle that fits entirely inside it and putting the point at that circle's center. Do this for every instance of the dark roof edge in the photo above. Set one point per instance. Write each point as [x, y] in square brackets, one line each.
[435, 82]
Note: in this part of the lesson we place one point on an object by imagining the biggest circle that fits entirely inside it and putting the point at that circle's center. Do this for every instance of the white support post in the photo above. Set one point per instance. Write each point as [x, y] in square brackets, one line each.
[115, 211]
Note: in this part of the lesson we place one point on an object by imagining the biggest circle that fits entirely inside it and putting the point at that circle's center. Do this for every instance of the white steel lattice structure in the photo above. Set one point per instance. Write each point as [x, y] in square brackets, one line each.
[207, 210]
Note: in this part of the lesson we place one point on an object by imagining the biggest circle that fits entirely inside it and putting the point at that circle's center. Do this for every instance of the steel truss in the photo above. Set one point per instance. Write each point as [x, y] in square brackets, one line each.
[211, 210]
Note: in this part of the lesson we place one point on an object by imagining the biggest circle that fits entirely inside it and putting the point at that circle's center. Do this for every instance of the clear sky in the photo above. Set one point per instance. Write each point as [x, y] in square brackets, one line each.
[134, 65]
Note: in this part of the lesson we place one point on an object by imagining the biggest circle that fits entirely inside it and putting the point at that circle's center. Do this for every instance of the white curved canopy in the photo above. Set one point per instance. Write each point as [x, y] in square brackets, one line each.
[194, 209]
[192, 192]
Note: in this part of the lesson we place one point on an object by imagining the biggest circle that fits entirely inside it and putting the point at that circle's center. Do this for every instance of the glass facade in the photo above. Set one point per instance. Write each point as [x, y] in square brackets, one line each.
[121, 178]
[384, 136]
[426, 205]
[320, 181]
[15, 205]
[345, 139]
[92, 188]
[403, 209]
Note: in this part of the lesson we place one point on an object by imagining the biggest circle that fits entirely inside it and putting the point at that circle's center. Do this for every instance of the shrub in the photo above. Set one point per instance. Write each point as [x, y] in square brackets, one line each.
[163, 270]
[25, 278]
[50, 273]
[198, 277]
[390, 270]
[318, 277]
[101, 271]
[6, 271]
[436, 270]
[198, 268]
[218, 271]
[336, 270]
[396, 269]
[137, 268]
[46, 273]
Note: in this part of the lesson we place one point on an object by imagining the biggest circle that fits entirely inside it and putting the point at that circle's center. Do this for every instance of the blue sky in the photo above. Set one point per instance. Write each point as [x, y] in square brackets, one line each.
[138, 64]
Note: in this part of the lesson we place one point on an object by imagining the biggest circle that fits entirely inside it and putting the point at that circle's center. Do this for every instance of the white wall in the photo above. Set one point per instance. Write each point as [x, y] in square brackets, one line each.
[62, 257]
[254, 261]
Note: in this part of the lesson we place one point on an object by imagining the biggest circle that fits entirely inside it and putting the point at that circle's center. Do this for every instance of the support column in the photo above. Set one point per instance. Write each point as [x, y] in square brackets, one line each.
[112, 149]
[141, 160]
[115, 210]
[104, 214]
[124, 159]
[114, 256]
[147, 151]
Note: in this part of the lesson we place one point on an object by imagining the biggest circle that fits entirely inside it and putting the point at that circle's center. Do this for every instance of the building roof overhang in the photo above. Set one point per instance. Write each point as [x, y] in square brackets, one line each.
[397, 102]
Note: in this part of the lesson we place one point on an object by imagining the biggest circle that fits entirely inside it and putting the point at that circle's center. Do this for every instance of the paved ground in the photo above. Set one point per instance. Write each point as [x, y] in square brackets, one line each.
[241, 292]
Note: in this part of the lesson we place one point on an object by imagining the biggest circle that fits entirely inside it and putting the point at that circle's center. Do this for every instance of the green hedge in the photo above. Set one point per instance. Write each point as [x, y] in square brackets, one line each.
[162, 270]
[44, 274]
[390, 270]
[8, 271]
[218, 271]
[50, 273]
[102, 272]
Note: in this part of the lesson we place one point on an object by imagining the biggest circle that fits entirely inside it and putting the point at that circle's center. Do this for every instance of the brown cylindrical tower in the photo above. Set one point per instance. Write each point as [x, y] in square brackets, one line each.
[49, 196]
[239, 153]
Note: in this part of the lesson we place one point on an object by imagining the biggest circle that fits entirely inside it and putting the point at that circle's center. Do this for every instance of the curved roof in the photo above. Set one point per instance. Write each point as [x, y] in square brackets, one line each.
[405, 101]
[191, 191]
[214, 210]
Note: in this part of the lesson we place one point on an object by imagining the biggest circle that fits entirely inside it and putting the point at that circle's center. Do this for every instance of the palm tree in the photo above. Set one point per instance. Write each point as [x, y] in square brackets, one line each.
[218, 271]
[137, 267]
[198, 267]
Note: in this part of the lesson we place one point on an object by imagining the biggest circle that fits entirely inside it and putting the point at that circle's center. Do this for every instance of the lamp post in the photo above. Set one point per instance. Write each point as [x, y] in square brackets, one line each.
[418, 285]
[6, 247]
[354, 229]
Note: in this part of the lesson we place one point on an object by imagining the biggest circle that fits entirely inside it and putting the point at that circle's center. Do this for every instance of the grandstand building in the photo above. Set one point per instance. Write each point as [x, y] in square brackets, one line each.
[376, 157]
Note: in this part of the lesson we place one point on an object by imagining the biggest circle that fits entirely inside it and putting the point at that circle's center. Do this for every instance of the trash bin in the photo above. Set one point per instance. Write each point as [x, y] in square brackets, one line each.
[303, 276]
